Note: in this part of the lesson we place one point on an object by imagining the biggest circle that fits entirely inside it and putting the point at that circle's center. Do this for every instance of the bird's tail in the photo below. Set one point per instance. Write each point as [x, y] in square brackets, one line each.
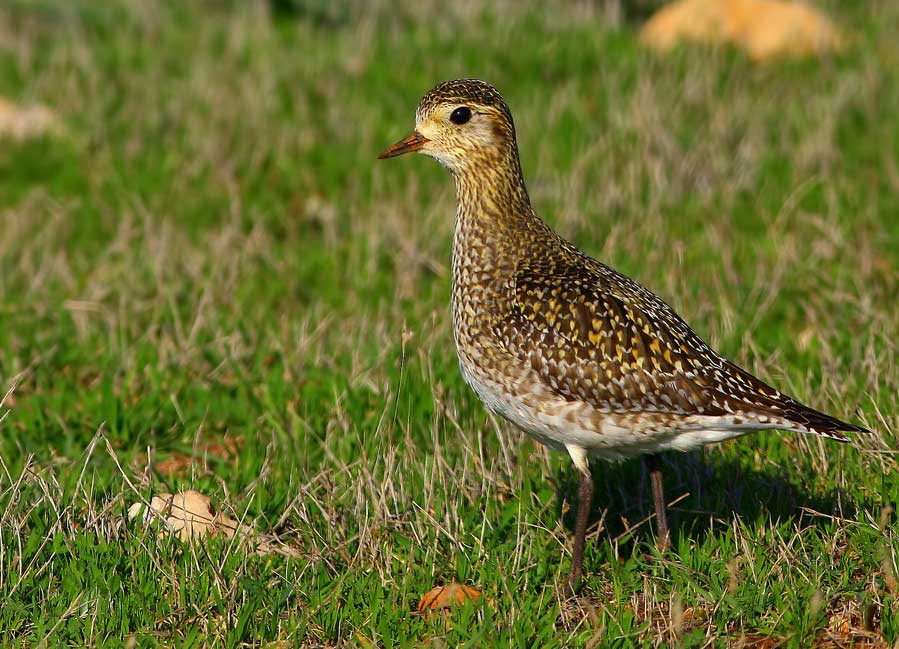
[818, 422]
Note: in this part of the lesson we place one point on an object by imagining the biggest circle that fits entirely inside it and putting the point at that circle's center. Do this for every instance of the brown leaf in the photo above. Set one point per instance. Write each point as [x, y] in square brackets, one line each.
[178, 464]
[24, 122]
[443, 597]
[853, 624]
[175, 465]
[755, 641]
[189, 515]
[697, 613]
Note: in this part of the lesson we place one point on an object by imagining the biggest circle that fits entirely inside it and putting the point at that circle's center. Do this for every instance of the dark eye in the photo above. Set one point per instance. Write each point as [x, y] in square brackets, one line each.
[461, 115]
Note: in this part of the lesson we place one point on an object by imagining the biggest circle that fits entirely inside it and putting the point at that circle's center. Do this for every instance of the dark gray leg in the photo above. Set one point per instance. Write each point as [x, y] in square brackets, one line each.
[654, 466]
[584, 500]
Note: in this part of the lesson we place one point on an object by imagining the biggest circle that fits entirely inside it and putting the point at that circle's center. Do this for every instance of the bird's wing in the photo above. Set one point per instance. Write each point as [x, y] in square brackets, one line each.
[594, 335]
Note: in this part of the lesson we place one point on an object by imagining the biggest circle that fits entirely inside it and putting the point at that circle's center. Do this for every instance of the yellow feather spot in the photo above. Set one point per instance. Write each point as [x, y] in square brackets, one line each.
[668, 356]
[635, 353]
[654, 346]
[594, 337]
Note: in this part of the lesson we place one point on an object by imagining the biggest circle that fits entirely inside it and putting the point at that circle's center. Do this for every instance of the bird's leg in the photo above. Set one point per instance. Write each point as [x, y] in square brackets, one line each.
[654, 466]
[584, 500]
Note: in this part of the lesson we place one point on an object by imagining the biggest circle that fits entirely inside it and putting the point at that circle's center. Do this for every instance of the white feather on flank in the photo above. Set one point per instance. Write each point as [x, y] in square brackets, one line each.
[572, 425]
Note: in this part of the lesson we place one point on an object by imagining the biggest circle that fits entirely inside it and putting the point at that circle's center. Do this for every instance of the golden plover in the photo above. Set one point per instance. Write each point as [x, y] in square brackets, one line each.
[574, 353]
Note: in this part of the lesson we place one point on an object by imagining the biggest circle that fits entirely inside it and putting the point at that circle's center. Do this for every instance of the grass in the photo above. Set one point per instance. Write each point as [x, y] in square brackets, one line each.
[211, 252]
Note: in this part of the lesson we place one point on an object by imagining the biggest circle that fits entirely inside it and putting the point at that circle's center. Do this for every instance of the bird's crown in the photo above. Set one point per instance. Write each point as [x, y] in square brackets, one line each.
[463, 92]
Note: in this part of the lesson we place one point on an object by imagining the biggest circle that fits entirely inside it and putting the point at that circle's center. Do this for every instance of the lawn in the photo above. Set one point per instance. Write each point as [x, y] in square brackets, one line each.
[208, 282]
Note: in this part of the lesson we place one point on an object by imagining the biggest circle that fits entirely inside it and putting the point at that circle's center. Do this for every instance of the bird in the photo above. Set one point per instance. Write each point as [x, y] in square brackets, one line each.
[580, 357]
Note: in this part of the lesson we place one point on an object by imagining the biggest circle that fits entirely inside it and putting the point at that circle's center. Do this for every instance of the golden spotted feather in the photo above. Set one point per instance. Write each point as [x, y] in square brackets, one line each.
[596, 336]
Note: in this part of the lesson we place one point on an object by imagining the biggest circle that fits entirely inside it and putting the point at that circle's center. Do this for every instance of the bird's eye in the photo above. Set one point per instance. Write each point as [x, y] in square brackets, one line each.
[461, 115]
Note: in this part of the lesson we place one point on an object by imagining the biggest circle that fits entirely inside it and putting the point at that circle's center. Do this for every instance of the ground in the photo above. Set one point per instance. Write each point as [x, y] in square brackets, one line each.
[208, 282]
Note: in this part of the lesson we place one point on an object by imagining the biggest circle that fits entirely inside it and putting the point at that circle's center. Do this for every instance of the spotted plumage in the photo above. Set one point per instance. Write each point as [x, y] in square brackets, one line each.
[575, 353]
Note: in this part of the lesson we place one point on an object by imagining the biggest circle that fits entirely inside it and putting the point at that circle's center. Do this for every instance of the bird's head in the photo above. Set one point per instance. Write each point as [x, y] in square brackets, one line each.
[463, 124]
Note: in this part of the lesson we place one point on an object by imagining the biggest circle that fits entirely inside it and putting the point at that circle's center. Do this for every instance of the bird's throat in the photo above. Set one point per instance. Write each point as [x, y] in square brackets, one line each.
[492, 198]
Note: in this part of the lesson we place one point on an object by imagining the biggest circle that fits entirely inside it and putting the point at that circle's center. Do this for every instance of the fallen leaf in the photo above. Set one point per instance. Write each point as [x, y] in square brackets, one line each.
[697, 613]
[853, 623]
[178, 464]
[764, 29]
[24, 122]
[443, 597]
[755, 641]
[174, 465]
[189, 515]
[667, 616]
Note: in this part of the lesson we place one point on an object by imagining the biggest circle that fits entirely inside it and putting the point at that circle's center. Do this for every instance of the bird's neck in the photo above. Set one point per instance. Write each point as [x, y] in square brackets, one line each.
[496, 228]
[493, 205]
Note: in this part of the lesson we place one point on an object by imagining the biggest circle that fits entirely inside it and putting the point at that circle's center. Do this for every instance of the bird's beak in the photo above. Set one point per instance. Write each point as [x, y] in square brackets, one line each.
[412, 142]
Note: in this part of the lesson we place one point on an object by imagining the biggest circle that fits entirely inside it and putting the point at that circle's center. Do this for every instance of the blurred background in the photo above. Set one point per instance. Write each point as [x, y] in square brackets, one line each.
[202, 263]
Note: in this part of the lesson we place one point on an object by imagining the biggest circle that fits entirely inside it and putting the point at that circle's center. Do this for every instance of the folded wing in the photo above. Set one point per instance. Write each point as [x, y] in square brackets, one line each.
[594, 335]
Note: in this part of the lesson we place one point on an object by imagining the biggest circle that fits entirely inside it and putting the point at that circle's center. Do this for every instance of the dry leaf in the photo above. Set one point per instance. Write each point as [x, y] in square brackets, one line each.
[755, 641]
[178, 464]
[853, 624]
[694, 613]
[764, 29]
[190, 515]
[443, 597]
[24, 122]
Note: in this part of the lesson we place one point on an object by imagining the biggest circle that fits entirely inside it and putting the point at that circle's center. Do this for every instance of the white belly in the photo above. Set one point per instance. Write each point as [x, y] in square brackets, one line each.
[563, 424]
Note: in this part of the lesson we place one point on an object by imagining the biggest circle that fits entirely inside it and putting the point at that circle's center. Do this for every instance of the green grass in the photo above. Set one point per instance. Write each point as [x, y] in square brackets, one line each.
[211, 248]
